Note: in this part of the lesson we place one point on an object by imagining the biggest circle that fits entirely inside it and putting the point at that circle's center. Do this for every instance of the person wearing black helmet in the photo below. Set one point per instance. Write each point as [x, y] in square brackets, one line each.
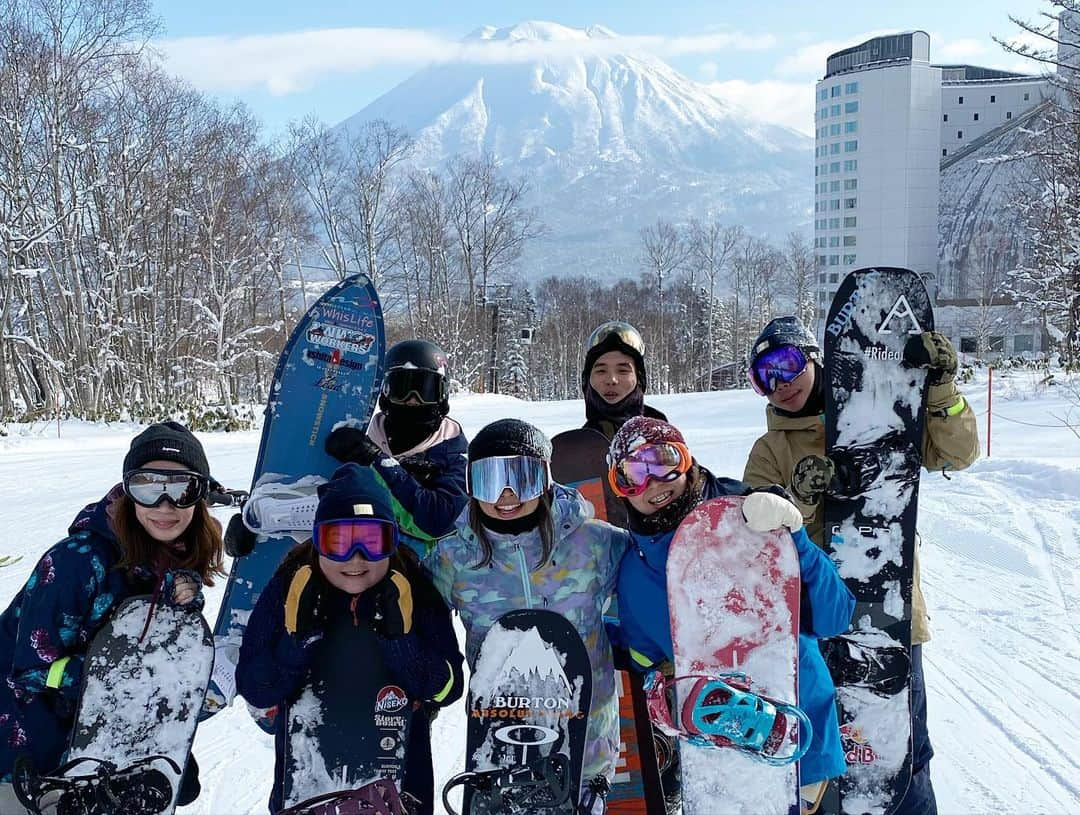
[613, 378]
[785, 366]
[417, 450]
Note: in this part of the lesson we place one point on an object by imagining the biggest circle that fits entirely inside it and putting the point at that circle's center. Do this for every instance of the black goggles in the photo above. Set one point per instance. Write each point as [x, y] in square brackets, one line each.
[626, 334]
[148, 487]
[426, 386]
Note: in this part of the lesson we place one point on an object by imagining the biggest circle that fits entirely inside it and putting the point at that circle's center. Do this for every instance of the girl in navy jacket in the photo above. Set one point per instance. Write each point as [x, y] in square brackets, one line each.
[151, 533]
[312, 590]
[654, 515]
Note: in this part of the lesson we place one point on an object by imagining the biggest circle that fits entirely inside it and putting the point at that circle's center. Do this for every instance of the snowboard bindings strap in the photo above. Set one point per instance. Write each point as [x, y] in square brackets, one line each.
[543, 783]
[138, 789]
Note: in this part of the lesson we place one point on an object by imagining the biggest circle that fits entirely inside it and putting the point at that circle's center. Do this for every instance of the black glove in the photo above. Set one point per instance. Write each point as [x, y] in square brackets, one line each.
[811, 478]
[186, 582]
[220, 496]
[393, 606]
[239, 540]
[933, 351]
[303, 605]
[353, 444]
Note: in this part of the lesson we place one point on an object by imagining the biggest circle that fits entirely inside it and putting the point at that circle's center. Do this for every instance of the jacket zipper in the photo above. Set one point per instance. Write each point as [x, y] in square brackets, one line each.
[526, 584]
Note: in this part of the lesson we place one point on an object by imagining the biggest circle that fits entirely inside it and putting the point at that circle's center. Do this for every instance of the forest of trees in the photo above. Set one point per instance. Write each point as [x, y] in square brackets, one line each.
[156, 247]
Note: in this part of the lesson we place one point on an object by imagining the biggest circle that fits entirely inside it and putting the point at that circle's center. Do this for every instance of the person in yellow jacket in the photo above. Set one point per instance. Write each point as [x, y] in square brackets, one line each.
[792, 453]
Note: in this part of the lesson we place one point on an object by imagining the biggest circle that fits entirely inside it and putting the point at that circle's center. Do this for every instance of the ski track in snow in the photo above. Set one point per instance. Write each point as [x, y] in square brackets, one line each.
[1000, 563]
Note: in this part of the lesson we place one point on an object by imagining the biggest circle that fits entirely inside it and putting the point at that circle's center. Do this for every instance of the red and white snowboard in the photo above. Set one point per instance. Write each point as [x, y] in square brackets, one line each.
[733, 596]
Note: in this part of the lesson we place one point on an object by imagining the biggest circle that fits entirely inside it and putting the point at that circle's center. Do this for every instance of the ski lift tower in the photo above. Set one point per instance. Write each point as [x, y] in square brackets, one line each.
[493, 296]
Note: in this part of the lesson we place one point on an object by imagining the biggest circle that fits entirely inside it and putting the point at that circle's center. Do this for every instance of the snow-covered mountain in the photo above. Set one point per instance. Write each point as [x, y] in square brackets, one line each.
[609, 140]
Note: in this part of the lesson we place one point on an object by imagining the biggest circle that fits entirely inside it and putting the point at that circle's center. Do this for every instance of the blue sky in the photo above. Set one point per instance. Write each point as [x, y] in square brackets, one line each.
[331, 57]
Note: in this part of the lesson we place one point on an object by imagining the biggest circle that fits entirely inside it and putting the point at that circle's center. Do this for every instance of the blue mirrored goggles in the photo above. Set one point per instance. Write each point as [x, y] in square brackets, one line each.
[775, 367]
[524, 476]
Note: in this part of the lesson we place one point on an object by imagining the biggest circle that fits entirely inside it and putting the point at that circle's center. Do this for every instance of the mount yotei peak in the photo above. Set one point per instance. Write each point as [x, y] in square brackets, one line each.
[609, 137]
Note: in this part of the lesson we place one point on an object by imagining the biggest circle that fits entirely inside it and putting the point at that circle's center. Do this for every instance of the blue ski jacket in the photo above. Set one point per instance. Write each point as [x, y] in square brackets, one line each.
[44, 634]
[426, 662]
[427, 482]
[827, 605]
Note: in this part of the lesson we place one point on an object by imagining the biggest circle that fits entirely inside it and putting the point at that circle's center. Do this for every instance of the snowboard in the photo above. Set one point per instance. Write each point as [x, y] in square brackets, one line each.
[528, 714]
[733, 597]
[579, 460]
[329, 371]
[144, 679]
[874, 421]
[350, 724]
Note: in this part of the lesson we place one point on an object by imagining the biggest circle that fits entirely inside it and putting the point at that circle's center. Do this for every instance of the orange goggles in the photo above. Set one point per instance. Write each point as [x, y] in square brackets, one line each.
[665, 461]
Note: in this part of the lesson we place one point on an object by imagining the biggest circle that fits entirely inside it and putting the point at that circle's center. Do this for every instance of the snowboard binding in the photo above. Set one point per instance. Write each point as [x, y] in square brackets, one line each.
[377, 798]
[283, 507]
[138, 789]
[722, 711]
[543, 783]
[884, 670]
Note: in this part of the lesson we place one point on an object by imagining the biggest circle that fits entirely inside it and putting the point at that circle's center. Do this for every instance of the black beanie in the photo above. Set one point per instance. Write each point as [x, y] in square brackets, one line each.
[612, 342]
[354, 492]
[509, 437]
[167, 441]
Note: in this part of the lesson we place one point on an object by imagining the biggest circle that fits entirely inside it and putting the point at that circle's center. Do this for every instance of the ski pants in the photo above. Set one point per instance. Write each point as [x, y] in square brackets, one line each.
[919, 799]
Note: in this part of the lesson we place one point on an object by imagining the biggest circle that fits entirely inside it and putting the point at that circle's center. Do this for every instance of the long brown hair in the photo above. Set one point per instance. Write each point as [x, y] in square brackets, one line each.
[545, 522]
[203, 537]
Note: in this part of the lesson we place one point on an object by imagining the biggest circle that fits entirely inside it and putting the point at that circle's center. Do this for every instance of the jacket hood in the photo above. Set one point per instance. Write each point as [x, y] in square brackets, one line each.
[96, 517]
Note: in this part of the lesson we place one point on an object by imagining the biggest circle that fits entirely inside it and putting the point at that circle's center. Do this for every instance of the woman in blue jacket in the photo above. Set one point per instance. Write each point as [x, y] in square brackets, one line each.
[413, 446]
[152, 532]
[670, 493]
[338, 578]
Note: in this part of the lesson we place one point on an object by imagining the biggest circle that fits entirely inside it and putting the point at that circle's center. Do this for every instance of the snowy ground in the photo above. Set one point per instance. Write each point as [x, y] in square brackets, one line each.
[1001, 575]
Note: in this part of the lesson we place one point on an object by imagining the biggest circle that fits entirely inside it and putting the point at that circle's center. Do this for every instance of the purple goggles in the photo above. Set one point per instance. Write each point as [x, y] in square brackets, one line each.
[775, 367]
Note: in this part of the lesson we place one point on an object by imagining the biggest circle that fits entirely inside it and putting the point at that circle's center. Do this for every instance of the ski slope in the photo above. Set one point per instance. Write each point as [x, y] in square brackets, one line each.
[1001, 573]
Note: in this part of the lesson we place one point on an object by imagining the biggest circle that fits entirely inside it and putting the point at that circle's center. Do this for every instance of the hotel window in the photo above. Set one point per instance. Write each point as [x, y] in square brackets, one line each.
[851, 165]
[834, 186]
[851, 87]
[834, 223]
[834, 90]
[1008, 114]
[1023, 342]
[823, 113]
[959, 134]
[834, 203]
[834, 166]
[834, 148]
[851, 107]
[849, 240]
[992, 99]
[821, 277]
[834, 241]
[945, 118]
[821, 260]
[850, 203]
[960, 101]
[944, 152]
[851, 146]
[850, 222]
[851, 127]
[851, 183]
[1026, 96]
[834, 260]
[823, 93]
[834, 277]
[834, 110]
[849, 260]
[834, 130]
[976, 117]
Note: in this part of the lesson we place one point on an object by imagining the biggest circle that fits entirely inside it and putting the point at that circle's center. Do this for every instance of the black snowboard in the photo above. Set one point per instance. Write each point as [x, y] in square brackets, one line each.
[579, 460]
[144, 680]
[529, 698]
[875, 416]
[350, 724]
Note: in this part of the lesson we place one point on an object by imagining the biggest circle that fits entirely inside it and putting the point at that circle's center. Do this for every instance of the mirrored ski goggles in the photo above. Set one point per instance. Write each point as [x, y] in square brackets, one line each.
[148, 487]
[664, 462]
[626, 333]
[525, 476]
[339, 540]
[400, 384]
[769, 370]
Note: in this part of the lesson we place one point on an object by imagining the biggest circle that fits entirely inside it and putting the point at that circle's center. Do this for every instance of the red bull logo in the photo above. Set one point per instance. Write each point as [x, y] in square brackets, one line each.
[857, 749]
[390, 699]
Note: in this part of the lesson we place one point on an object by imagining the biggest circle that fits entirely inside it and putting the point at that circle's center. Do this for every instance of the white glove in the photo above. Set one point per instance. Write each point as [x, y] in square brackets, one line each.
[765, 511]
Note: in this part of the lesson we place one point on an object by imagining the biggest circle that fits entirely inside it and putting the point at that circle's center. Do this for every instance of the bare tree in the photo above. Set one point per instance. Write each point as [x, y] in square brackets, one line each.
[665, 251]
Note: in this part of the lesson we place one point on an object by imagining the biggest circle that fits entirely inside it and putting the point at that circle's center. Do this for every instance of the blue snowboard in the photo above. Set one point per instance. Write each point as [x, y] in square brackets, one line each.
[331, 370]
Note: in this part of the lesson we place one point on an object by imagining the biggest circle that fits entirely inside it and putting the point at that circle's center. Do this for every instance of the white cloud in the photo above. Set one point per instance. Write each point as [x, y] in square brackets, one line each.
[708, 70]
[963, 50]
[784, 103]
[809, 60]
[287, 62]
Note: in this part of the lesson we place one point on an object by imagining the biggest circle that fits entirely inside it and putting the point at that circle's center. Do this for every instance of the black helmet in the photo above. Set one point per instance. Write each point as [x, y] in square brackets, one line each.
[415, 368]
[784, 331]
[614, 336]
